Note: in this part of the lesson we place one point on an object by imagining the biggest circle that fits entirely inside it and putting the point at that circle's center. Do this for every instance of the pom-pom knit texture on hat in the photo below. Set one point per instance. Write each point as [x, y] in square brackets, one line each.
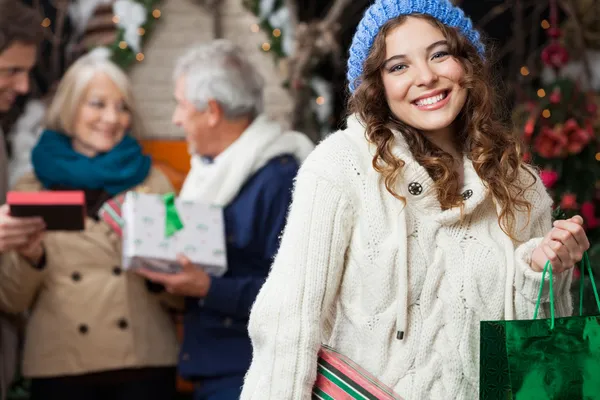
[384, 10]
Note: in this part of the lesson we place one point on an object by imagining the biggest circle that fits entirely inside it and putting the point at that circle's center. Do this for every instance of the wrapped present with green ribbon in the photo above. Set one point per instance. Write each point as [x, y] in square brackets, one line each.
[156, 228]
[543, 359]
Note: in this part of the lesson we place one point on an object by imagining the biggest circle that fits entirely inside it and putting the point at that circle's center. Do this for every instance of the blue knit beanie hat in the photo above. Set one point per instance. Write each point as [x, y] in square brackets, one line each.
[382, 11]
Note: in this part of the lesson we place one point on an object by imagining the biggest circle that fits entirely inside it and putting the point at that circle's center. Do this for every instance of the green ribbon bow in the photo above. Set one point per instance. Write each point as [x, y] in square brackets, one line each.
[172, 220]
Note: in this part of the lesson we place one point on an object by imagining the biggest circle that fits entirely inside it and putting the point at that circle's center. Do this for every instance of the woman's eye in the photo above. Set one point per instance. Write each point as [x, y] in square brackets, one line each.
[397, 68]
[97, 104]
[440, 54]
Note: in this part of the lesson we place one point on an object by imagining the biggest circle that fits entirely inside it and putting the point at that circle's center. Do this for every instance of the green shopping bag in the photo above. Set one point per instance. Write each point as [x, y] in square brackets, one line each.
[551, 359]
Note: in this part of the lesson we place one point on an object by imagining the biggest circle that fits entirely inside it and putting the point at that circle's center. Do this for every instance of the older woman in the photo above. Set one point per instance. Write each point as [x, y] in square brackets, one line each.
[245, 163]
[95, 332]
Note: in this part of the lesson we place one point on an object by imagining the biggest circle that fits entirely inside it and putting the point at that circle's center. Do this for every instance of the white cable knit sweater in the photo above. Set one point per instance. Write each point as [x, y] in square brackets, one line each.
[355, 266]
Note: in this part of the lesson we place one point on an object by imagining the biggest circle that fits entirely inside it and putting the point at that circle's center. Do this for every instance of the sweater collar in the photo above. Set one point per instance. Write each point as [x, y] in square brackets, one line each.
[416, 185]
[418, 188]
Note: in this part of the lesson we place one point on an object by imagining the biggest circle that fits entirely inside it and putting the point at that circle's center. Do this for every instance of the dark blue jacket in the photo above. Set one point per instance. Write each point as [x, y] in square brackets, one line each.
[216, 342]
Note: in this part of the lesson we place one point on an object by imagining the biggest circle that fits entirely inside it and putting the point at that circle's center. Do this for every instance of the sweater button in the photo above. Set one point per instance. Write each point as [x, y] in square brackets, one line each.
[123, 324]
[415, 188]
[83, 329]
[117, 271]
[467, 194]
[76, 276]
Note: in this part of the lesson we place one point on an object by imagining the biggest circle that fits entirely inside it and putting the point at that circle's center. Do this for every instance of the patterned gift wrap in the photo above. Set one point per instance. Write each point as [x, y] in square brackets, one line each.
[111, 213]
[146, 242]
[339, 378]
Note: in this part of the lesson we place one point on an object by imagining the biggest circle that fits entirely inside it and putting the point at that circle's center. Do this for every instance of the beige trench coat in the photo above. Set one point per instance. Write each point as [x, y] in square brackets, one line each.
[87, 314]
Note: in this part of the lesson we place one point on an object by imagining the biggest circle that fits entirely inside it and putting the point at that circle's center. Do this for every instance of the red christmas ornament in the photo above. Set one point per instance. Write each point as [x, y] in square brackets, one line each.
[529, 127]
[591, 108]
[555, 55]
[568, 201]
[588, 212]
[549, 178]
[554, 32]
[555, 96]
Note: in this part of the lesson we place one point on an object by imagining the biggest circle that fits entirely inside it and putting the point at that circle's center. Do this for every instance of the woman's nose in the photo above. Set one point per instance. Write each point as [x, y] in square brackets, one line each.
[425, 76]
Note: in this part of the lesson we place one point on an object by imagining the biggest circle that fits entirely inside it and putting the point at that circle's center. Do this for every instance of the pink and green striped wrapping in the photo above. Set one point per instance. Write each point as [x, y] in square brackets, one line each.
[339, 378]
[110, 212]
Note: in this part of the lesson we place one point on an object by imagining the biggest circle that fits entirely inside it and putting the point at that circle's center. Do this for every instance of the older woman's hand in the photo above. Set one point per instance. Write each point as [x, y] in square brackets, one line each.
[564, 246]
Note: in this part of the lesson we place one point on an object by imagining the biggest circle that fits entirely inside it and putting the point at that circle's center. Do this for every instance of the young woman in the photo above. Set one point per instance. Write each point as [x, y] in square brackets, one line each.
[95, 332]
[412, 225]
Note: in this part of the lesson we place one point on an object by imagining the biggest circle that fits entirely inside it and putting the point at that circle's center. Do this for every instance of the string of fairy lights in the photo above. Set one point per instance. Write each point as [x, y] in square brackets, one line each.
[545, 24]
[122, 52]
[266, 47]
[274, 42]
[156, 13]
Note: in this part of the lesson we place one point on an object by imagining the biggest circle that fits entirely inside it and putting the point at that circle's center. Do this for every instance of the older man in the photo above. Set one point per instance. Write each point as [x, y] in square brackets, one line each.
[20, 33]
[245, 163]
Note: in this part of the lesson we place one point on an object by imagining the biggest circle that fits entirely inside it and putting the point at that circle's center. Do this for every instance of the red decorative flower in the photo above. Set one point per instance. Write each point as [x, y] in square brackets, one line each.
[551, 143]
[555, 55]
[568, 201]
[549, 178]
[577, 137]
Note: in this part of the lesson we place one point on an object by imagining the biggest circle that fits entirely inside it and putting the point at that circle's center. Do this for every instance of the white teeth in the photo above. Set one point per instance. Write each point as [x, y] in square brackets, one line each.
[431, 100]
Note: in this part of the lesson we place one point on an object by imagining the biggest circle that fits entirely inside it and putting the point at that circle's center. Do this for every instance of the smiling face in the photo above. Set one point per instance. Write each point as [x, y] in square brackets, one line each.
[102, 118]
[16, 61]
[422, 81]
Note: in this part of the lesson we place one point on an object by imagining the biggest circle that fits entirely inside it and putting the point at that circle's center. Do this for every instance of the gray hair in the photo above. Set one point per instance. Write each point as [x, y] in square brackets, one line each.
[220, 71]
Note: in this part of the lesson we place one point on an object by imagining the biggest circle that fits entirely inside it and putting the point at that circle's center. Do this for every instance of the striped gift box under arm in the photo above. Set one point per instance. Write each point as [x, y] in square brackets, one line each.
[110, 212]
[339, 378]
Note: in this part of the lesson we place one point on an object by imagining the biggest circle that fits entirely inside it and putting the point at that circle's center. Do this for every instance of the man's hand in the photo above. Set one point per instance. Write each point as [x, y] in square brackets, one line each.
[190, 281]
[21, 234]
[564, 246]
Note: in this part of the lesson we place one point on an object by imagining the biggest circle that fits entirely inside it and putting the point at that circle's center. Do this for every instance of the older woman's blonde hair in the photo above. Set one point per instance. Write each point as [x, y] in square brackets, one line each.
[65, 104]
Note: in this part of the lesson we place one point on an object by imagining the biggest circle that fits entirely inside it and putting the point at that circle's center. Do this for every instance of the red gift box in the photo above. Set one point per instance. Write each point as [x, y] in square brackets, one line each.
[61, 210]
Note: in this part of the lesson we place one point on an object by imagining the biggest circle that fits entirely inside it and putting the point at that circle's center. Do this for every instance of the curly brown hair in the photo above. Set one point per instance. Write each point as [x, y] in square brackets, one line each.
[493, 148]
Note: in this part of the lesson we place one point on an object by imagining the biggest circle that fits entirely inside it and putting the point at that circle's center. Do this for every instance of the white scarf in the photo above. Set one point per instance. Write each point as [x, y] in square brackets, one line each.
[219, 182]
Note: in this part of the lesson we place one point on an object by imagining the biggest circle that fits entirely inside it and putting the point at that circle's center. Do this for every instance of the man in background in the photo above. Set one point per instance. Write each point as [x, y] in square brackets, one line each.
[20, 35]
[245, 163]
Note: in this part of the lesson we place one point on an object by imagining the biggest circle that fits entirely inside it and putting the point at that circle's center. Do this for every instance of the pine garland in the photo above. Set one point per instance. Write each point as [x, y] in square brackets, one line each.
[124, 56]
[275, 40]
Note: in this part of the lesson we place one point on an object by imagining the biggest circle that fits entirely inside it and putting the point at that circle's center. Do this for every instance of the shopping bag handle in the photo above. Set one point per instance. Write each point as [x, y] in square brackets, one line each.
[547, 269]
[585, 264]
